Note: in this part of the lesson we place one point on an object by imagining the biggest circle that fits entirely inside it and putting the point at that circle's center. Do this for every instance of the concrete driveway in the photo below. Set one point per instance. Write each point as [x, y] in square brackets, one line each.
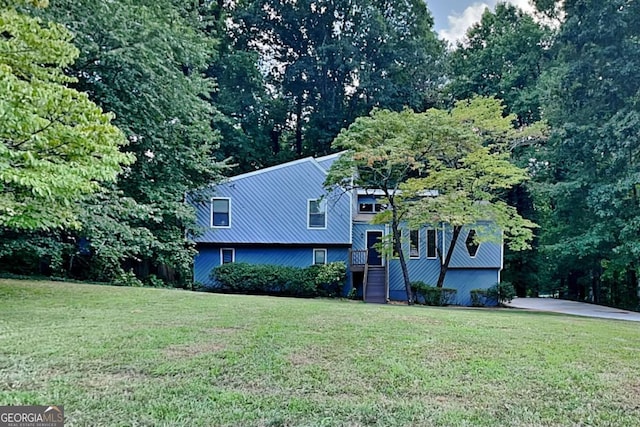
[572, 307]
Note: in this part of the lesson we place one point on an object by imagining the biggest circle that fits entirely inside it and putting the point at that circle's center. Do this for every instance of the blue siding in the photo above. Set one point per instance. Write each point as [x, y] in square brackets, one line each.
[466, 280]
[269, 225]
[489, 253]
[462, 280]
[270, 207]
[465, 274]
[209, 257]
[360, 234]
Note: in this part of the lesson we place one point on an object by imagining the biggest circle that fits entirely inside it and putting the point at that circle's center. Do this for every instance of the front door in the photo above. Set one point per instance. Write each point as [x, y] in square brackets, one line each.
[373, 257]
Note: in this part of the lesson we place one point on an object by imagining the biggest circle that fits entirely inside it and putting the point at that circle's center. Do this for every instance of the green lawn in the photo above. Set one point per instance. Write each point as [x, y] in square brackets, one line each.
[131, 356]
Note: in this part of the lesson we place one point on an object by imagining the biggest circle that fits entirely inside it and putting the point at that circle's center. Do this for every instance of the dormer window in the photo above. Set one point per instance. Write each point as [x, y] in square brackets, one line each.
[370, 205]
[221, 212]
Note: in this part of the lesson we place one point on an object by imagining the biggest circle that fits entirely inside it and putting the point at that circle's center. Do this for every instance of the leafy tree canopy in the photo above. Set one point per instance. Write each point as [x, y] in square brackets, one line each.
[327, 62]
[55, 144]
[145, 61]
[503, 55]
[435, 167]
[591, 101]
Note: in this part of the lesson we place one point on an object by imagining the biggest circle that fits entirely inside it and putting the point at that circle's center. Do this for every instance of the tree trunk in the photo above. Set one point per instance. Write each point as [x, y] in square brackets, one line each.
[397, 246]
[299, 126]
[444, 266]
[275, 141]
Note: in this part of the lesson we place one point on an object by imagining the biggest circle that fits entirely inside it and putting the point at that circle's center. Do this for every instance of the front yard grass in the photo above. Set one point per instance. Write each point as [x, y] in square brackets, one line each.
[130, 356]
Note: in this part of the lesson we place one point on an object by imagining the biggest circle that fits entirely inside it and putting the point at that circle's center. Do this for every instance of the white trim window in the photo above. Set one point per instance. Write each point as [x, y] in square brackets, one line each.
[227, 256]
[414, 244]
[319, 256]
[432, 243]
[317, 213]
[220, 212]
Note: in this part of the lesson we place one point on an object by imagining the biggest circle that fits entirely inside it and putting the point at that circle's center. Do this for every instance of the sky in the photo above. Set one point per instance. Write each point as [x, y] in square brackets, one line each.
[453, 17]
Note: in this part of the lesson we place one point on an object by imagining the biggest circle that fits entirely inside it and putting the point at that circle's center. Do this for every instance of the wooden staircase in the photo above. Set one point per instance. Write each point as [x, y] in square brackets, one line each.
[375, 289]
[374, 282]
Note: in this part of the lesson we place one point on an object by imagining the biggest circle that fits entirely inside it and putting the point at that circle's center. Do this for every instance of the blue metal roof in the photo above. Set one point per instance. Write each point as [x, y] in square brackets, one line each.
[327, 161]
[270, 206]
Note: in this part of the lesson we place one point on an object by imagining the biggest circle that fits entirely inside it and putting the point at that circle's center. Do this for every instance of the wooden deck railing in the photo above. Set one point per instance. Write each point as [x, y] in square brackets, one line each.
[358, 259]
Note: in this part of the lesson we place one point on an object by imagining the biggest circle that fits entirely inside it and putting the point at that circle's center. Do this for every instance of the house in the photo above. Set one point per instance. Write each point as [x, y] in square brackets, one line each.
[282, 215]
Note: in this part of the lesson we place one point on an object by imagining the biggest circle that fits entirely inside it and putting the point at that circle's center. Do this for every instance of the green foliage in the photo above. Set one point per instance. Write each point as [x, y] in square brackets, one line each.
[145, 62]
[330, 278]
[432, 295]
[503, 55]
[502, 292]
[460, 154]
[154, 281]
[324, 280]
[38, 253]
[483, 297]
[127, 278]
[332, 61]
[55, 144]
[589, 186]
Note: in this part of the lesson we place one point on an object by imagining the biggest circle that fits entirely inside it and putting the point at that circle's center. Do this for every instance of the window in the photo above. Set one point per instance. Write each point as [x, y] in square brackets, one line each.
[368, 205]
[432, 243]
[414, 244]
[227, 256]
[221, 213]
[317, 214]
[319, 256]
[472, 244]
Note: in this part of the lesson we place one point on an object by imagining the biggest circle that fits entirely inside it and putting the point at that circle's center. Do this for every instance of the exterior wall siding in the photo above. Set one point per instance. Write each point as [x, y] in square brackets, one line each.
[209, 257]
[464, 280]
[271, 207]
[489, 254]
[466, 273]
[269, 225]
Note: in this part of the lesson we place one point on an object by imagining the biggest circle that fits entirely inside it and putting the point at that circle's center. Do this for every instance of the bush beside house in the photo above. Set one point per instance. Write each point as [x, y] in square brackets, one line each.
[431, 295]
[317, 280]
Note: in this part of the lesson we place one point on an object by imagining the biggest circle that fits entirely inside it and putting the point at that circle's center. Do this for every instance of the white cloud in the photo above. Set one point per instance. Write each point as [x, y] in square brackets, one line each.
[524, 5]
[460, 23]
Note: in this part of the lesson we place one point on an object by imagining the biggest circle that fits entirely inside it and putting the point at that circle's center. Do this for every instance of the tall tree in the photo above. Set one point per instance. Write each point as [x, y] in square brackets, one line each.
[591, 97]
[434, 167]
[144, 60]
[327, 62]
[55, 144]
[503, 55]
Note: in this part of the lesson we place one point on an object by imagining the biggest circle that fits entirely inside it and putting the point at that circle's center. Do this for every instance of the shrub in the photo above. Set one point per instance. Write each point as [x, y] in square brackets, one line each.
[431, 295]
[353, 294]
[482, 298]
[263, 279]
[478, 297]
[502, 292]
[155, 282]
[127, 279]
[330, 278]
